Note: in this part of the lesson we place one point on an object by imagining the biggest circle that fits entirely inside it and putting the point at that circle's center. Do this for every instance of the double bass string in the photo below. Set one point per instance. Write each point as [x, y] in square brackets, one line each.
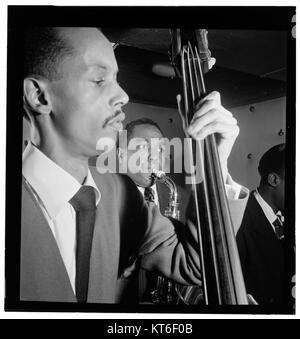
[227, 233]
[215, 171]
[199, 81]
[219, 261]
[187, 105]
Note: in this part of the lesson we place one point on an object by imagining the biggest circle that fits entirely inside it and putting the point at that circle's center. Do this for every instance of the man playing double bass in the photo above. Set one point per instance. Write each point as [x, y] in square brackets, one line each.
[81, 230]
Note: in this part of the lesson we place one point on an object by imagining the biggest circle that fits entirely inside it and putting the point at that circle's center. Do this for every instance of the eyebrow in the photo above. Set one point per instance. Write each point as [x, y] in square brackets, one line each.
[102, 67]
[138, 139]
[98, 66]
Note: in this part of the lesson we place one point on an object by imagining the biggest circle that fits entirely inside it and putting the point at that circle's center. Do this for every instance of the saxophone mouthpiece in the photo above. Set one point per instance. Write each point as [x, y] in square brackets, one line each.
[158, 174]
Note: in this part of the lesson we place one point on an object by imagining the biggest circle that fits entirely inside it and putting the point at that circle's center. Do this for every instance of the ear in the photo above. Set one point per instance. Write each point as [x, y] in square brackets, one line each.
[36, 96]
[273, 179]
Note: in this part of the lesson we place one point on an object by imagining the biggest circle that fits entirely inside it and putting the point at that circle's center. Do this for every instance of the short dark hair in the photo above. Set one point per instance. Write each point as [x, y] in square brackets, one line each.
[143, 121]
[272, 161]
[44, 49]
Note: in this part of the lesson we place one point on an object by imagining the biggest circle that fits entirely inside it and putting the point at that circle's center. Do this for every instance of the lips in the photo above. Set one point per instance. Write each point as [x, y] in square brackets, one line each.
[118, 126]
[116, 121]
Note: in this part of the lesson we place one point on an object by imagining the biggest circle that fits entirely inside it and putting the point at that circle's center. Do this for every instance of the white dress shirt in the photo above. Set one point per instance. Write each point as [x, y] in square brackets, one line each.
[233, 189]
[267, 209]
[53, 187]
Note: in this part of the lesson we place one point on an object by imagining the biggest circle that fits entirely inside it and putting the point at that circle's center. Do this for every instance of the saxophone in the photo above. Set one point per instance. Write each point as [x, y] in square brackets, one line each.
[166, 291]
[172, 209]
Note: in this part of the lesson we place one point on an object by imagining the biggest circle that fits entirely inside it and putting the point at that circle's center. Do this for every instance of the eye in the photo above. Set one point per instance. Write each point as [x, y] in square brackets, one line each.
[142, 146]
[99, 82]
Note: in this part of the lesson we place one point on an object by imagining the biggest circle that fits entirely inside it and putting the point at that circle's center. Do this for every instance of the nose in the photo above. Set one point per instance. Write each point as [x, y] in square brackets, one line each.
[121, 98]
[153, 160]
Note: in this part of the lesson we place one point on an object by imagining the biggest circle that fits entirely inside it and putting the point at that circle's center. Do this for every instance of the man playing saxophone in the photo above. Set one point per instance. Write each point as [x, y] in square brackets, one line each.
[156, 188]
[150, 140]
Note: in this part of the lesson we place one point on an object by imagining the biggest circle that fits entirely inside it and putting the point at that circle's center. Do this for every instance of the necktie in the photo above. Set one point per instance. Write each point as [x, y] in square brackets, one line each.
[85, 207]
[149, 194]
[278, 225]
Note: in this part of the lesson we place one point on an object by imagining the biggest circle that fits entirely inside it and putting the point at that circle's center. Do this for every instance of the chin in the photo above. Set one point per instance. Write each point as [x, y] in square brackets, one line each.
[148, 180]
[141, 181]
[105, 144]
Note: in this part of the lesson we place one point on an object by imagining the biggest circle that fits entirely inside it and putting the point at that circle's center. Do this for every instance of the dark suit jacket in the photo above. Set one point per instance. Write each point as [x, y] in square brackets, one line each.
[262, 256]
[125, 229]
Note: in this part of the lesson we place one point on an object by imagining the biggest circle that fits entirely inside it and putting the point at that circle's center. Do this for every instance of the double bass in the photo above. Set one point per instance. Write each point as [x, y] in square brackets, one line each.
[222, 278]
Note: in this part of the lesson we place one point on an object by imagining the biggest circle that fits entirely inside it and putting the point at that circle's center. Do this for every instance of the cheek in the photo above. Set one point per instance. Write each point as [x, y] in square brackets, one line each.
[86, 116]
[79, 97]
[79, 124]
[64, 96]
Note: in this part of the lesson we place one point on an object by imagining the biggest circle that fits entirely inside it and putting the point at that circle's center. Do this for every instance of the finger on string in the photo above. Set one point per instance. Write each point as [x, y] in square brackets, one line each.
[205, 109]
[216, 127]
[210, 117]
[215, 95]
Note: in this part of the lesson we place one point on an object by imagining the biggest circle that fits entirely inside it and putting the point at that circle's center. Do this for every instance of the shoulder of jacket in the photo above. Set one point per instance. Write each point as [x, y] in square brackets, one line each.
[112, 181]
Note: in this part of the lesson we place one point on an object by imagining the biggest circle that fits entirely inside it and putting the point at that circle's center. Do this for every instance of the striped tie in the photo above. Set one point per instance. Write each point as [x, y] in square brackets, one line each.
[149, 195]
[278, 225]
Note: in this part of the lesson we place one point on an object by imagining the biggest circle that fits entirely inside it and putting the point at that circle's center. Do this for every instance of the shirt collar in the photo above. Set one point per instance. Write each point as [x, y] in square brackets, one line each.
[267, 209]
[154, 187]
[54, 186]
[89, 181]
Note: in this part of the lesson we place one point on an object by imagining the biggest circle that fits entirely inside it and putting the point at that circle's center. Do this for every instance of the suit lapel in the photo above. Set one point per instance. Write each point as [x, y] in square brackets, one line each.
[262, 225]
[43, 273]
[264, 258]
[105, 253]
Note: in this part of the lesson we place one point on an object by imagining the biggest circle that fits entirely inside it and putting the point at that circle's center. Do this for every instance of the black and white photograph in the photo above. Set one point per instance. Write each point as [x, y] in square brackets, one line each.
[152, 156]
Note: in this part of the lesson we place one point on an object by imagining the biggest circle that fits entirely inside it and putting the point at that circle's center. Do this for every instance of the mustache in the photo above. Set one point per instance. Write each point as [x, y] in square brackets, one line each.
[109, 119]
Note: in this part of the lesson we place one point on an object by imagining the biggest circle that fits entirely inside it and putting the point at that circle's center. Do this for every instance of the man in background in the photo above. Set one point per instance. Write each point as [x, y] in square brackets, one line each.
[145, 132]
[148, 136]
[260, 238]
